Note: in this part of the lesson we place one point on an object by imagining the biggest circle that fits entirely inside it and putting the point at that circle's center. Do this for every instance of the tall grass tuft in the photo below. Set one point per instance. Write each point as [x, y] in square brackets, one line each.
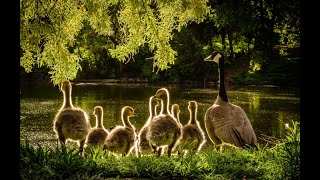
[63, 162]
[288, 153]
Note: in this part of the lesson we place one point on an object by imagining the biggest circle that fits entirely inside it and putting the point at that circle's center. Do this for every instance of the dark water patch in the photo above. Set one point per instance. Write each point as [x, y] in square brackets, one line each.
[268, 108]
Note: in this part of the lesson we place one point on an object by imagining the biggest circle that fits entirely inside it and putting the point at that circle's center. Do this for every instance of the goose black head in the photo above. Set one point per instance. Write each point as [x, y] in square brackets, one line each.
[215, 56]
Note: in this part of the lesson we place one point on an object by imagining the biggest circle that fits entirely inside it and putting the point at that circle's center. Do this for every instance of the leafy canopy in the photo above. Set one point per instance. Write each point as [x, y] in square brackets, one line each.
[48, 30]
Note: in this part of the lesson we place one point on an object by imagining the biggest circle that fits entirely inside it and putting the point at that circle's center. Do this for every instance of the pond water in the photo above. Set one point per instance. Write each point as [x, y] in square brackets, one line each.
[268, 108]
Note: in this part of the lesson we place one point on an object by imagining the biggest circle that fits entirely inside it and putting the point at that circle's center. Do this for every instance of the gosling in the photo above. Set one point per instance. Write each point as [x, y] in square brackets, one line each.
[163, 130]
[121, 138]
[71, 123]
[143, 144]
[193, 136]
[98, 134]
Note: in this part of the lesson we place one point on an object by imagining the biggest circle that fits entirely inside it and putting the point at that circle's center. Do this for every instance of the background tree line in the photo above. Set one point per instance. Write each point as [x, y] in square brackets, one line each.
[260, 38]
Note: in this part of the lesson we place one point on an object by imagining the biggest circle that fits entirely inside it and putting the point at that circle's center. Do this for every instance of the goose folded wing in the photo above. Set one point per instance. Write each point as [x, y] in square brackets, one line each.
[242, 128]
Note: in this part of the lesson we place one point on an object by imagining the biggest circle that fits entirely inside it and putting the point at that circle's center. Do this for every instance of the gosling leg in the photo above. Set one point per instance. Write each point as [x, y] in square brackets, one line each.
[172, 145]
[170, 148]
[159, 151]
[81, 145]
[62, 139]
[154, 148]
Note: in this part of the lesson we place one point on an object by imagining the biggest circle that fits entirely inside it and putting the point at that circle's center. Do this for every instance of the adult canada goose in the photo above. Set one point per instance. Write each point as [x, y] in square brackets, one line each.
[71, 123]
[164, 130]
[192, 135]
[98, 134]
[143, 144]
[224, 121]
[121, 138]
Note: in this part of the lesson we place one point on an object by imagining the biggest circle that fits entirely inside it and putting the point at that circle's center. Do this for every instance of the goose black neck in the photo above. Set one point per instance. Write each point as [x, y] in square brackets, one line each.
[222, 89]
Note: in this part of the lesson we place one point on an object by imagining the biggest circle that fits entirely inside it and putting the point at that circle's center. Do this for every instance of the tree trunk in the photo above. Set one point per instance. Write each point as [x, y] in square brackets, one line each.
[223, 40]
[271, 52]
[230, 37]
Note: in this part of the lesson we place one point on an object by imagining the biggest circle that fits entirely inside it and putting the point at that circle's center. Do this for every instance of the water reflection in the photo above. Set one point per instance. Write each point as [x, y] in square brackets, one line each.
[254, 101]
[268, 109]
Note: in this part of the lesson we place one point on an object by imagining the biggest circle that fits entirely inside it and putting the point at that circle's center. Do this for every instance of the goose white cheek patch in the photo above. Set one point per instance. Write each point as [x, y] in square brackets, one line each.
[217, 57]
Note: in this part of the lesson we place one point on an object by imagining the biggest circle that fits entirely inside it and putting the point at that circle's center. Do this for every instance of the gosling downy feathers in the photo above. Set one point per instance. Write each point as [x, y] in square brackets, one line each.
[71, 123]
[164, 130]
[121, 138]
[224, 121]
[98, 134]
[143, 144]
[193, 136]
[175, 110]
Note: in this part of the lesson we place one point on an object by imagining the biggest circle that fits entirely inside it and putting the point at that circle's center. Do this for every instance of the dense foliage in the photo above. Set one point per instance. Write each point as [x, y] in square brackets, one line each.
[279, 162]
[49, 30]
[140, 38]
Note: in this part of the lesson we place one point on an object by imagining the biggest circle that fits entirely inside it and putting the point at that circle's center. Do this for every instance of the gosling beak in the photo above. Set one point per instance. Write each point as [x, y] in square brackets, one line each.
[135, 115]
[155, 97]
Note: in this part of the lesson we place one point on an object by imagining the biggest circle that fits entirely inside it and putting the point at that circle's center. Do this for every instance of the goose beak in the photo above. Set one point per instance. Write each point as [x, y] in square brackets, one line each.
[209, 58]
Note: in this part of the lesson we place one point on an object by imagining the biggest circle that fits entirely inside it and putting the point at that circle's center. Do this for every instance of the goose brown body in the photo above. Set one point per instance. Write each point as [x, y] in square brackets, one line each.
[143, 144]
[71, 123]
[121, 138]
[164, 130]
[193, 136]
[224, 121]
[98, 134]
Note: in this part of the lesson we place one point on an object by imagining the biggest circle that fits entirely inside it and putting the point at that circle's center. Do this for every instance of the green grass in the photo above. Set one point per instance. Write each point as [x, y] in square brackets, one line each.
[279, 162]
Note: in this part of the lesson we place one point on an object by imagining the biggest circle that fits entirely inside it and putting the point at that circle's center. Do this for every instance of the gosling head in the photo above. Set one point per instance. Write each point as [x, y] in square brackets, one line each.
[192, 105]
[154, 102]
[97, 110]
[128, 111]
[161, 94]
[65, 85]
[175, 109]
[215, 57]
